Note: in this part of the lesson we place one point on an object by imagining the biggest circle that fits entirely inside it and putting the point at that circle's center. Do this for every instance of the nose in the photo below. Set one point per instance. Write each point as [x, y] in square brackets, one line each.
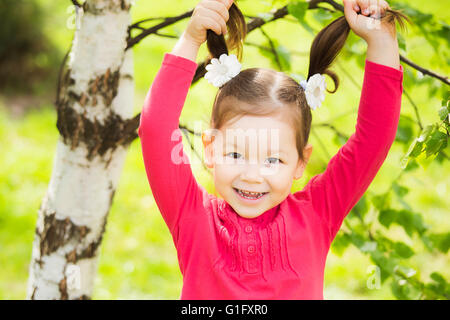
[251, 173]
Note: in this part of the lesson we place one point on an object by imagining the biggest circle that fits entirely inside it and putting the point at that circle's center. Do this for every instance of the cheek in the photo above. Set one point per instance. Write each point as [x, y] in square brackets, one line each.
[281, 179]
[225, 173]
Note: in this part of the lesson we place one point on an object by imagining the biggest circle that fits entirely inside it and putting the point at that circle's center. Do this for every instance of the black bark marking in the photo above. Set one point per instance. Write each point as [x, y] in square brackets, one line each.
[58, 233]
[98, 137]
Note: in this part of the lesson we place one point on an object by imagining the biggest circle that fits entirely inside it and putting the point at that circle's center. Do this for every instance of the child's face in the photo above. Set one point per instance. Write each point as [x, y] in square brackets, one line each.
[255, 154]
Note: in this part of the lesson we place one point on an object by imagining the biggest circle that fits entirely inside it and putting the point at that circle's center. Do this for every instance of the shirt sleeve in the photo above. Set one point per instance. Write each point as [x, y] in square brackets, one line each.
[349, 173]
[167, 167]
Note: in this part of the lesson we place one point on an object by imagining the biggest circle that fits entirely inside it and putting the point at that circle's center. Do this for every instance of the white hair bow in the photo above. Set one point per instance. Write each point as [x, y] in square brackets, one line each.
[314, 90]
[222, 70]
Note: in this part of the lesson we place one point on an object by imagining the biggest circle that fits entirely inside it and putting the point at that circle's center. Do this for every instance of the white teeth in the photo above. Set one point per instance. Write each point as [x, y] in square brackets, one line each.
[250, 195]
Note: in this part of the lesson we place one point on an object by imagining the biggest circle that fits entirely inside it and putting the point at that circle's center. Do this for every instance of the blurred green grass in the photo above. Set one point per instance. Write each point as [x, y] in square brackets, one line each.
[137, 258]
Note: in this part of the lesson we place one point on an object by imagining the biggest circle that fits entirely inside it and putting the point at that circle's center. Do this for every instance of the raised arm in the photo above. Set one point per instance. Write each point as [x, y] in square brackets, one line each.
[167, 166]
[169, 173]
[349, 173]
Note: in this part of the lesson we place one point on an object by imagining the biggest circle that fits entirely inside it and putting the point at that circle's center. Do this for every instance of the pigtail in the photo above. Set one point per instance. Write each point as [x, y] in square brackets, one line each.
[330, 41]
[237, 30]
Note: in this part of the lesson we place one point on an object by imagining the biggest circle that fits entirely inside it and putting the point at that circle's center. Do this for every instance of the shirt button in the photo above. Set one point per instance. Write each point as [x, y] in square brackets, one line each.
[248, 229]
[251, 249]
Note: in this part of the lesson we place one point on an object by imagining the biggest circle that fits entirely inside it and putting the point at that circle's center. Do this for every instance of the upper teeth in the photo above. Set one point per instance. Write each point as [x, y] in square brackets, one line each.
[251, 193]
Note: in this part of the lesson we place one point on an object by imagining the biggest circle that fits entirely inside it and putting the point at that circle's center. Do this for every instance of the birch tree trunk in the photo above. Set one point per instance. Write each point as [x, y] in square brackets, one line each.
[94, 107]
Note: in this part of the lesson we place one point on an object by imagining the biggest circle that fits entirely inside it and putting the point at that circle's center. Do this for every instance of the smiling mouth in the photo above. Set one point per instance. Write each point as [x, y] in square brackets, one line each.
[250, 195]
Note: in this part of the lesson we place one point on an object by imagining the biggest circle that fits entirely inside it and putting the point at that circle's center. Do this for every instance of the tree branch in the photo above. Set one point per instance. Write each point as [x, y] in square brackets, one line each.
[425, 71]
[167, 21]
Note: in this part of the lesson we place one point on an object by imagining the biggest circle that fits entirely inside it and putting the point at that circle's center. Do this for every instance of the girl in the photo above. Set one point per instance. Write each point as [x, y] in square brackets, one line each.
[259, 241]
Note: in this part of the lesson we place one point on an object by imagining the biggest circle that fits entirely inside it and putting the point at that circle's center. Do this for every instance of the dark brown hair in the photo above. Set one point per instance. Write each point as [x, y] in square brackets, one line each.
[268, 92]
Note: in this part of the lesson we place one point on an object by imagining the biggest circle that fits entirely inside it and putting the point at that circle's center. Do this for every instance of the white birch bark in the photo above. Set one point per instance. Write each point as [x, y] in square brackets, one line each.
[95, 102]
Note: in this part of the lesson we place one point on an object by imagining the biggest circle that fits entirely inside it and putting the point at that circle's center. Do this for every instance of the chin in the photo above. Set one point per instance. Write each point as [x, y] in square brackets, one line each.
[248, 215]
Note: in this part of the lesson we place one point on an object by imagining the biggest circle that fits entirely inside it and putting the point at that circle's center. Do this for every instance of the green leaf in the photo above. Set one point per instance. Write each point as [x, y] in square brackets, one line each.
[340, 243]
[443, 113]
[435, 142]
[446, 99]
[357, 240]
[411, 222]
[361, 207]
[411, 165]
[441, 241]
[441, 287]
[386, 265]
[438, 278]
[403, 250]
[399, 190]
[298, 10]
[415, 149]
[387, 217]
[400, 289]
[381, 201]
[425, 134]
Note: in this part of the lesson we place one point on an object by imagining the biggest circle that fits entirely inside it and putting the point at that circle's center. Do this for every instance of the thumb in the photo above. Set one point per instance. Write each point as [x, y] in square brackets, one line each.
[349, 12]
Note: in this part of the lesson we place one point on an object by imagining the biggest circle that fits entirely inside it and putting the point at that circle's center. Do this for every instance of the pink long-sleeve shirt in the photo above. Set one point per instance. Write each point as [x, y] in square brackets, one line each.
[281, 254]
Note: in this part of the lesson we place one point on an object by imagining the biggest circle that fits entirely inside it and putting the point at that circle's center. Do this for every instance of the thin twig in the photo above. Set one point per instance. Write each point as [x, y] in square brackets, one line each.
[348, 75]
[185, 132]
[166, 35]
[136, 24]
[416, 110]
[333, 128]
[272, 49]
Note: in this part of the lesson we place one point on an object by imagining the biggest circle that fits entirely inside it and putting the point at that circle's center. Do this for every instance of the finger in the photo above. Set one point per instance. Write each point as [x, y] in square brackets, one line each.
[377, 8]
[216, 17]
[364, 5]
[210, 23]
[218, 7]
[374, 8]
[350, 11]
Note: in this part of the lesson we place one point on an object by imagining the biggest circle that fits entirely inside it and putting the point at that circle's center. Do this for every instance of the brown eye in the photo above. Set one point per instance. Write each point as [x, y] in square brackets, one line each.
[235, 154]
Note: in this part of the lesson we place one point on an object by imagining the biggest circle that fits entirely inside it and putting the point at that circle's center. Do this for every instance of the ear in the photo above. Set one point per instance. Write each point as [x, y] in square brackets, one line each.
[207, 140]
[301, 165]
